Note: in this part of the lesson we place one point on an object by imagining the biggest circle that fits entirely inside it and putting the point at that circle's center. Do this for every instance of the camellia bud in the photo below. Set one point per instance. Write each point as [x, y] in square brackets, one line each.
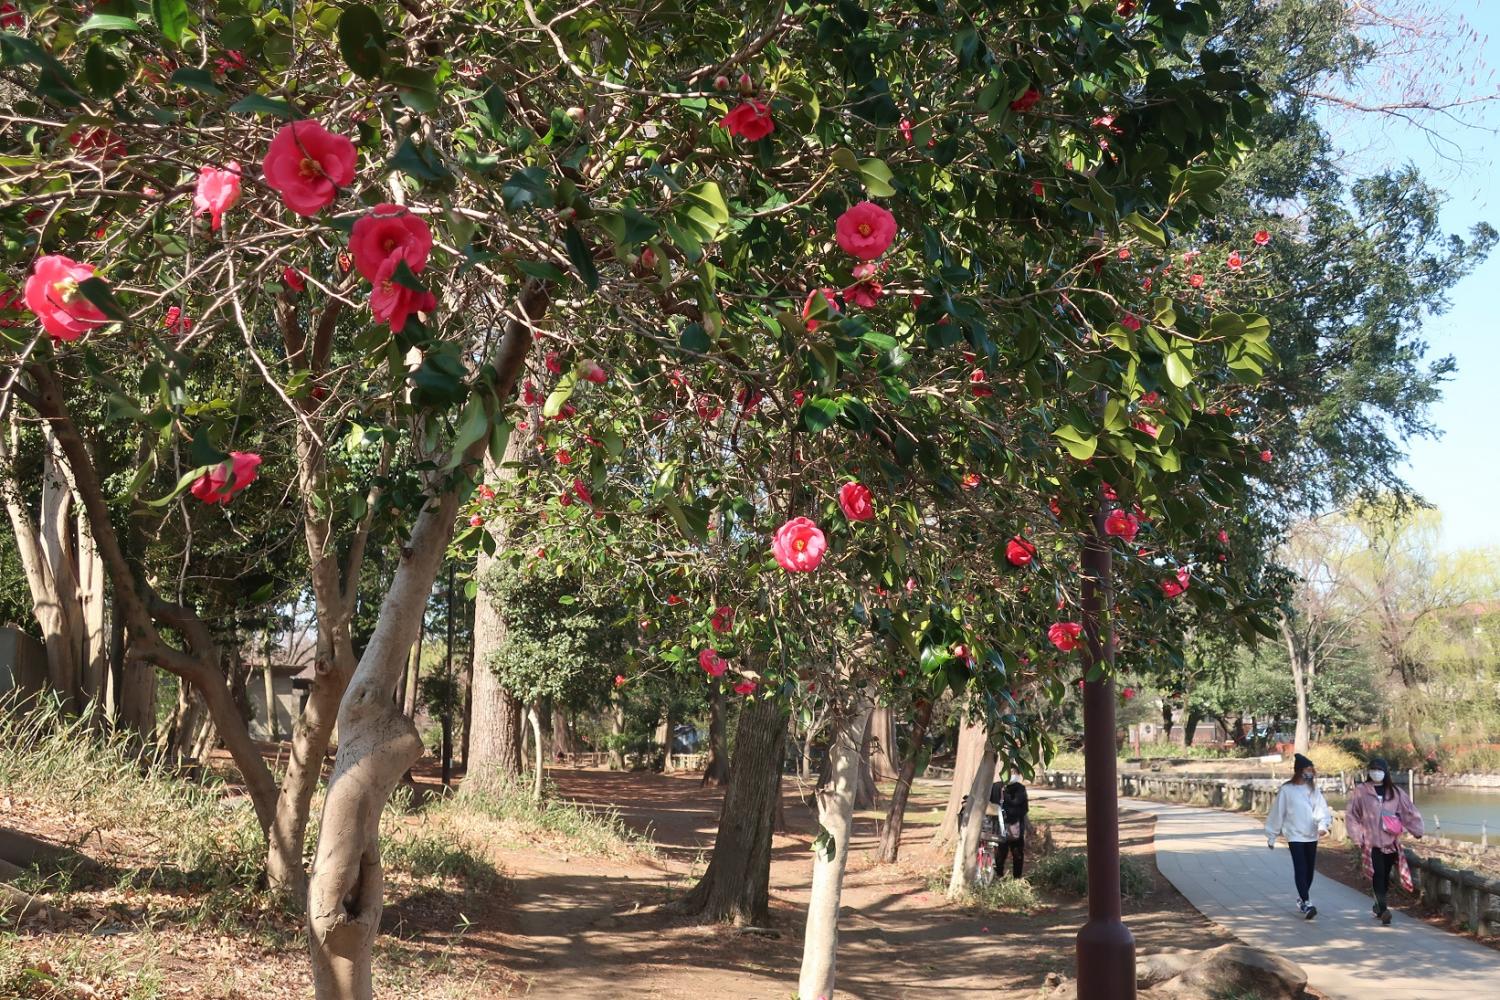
[576, 114]
[747, 85]
[721, 82]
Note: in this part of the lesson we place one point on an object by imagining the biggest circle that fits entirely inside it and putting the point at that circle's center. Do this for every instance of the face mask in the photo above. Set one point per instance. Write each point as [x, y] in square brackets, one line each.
[1377, 776]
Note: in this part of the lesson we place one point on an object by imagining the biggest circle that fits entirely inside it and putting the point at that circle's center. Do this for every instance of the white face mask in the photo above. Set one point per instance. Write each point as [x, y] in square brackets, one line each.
[1377, 776]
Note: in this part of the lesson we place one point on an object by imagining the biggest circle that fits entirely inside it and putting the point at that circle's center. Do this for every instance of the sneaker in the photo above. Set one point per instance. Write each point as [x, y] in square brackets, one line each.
[1309, 911]
[1385, 916]
[1301, 906]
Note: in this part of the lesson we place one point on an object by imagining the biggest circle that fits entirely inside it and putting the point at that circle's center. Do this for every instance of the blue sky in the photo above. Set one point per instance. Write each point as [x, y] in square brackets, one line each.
[1460, 472]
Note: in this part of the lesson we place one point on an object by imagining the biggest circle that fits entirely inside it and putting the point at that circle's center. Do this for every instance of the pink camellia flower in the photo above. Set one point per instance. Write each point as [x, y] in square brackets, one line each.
[1122, 524]
[52, 295]
[386, 231]
[1065, 635]
[1128, 693]
[1124, 253]
[1262, 238]
[293, 279]
[1195, 280]
[485, 492]
[865, 230]
[1146, 427]
[723, 620]
[798, 545]
[1019, 552]
[712, 663]
[308, 164]
[1223, 537]
[217, 192]
[865, 294]
[855, 502]
[1026, 101]
[174, 320]
[830, 299]
[866, 271]
[1176, 587]
[591, 372]
[477, 521]
[751, 121]
[214, 486]
[393, 303]
[1130, 321]
[1266, 455]
[744, 688]
[1235, 261]
[979, 383]
[906, 126]
[619, 680]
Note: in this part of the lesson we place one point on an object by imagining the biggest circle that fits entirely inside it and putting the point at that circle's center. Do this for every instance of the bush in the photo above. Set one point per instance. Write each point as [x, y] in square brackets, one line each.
[1331, 760]
[1067, 872]
[1477, 760]
[1004, 894]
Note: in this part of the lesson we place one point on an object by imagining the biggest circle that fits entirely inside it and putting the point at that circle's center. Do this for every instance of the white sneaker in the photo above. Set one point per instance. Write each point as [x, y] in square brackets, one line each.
[1301, 906]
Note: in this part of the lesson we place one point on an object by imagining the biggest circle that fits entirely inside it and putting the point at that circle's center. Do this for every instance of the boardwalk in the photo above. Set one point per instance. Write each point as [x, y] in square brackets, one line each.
[1219, 861]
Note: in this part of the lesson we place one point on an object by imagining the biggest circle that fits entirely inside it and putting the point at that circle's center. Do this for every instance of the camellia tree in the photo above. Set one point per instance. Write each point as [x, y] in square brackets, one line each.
[875, 292]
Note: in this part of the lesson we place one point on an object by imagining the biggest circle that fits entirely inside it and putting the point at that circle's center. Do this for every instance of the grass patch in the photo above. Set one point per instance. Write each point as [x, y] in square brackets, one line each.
[598, 832]
[426, 856]
[1003, 895]
[1066, 872]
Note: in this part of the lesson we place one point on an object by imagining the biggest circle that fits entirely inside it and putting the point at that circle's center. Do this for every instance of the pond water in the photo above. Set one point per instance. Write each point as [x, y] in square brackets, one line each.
[1459, 811]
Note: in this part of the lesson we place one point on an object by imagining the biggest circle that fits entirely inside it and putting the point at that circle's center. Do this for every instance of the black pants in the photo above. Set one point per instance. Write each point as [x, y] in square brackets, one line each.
[1304, 864]
[1017, 849]
[1383, 864]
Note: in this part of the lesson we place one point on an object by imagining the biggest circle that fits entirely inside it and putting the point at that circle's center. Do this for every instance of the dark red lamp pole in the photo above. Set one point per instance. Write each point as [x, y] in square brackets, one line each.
[1106, 949]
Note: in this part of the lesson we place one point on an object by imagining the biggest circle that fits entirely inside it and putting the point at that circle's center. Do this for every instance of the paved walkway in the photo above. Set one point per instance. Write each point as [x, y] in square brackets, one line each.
[1219, 861]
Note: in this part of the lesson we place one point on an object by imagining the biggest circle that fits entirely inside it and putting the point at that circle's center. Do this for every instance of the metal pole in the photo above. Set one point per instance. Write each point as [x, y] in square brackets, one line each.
[1106, 949]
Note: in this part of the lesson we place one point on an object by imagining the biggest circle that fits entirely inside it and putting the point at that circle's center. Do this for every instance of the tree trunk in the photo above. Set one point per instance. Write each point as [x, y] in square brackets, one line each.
[95, 626]
[562, 739]
[884, 759]
[736, 886]
[1190, 726]
[895, 817]
[414, 676]
[866, 795]
[1166, 720]
[716, 764]
[664, 737]
[1301, 678]
[535, 718]
[616, 730]
[268, 678]
[830, 857]
[966, 849]
[971, 743]
[466, 743]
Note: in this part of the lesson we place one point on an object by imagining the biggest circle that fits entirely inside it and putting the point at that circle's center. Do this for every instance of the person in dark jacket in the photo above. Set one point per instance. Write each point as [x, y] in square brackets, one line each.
[1011, 799]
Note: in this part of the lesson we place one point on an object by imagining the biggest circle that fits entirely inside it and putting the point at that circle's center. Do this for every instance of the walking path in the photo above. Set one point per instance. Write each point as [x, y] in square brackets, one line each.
[1219, 861]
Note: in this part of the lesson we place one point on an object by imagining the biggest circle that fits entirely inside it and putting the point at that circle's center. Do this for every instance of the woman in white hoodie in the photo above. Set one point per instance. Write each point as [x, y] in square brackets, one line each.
[1302, 816]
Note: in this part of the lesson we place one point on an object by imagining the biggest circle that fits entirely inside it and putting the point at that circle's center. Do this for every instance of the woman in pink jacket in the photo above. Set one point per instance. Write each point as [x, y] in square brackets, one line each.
[1379, 813]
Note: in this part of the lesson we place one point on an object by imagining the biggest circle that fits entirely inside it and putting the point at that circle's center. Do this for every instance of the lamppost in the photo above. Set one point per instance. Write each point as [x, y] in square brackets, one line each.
[1106, 949]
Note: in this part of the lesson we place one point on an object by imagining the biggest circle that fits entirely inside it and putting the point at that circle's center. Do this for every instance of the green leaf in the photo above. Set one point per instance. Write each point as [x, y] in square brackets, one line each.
[818, 414]
[877, 178]
[109, 22]
[499, 440]
[54, 81]
[105, 74]
[582, 258]
[362, 40]
[695, 339]
[260, 104]
[417, 88]
[1179, 367]
[188, 479]
[1146, 229]
[103, 297]
[171, 16]
[1081, 446]
[845, 158]
[419, 162]
[527, 187]
[560, 395]
[473, 423]
[196, 79]
[540, 269]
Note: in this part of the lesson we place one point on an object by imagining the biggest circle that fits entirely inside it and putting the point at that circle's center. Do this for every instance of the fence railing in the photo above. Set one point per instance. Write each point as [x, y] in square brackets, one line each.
[1470, 897]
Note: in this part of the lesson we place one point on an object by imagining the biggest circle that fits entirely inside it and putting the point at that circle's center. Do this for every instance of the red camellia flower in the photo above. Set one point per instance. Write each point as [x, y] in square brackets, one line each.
[1026, 101]
[217, 192]
[712, 663]
[1019, 552]
[865, 230]
[387, 231]
[979, 383]
[1262, 238]
[830, 299]
[1065, 636]
[1196, 280]
[173, 320]
[1176, 587]
[723, 620]
[11, 19]
[582, 491]
[308, 164]
[1125, 8]
[864, 294]
[1146, 427]
[393, 303]
[619, 680]
[485, 492]
[1128, 693]
[744, 688]
[10, 307]
[1235, 261]
[750, 121]
[708, 407]
[554, 363]
[970, 481]
[215, 486]
[1223, 536]
[1037, 189]
[1130, 321]
[673, 600]
[855, 502]
[476, 521]
[292, 279]
[1122, 524]
[798, 545]
[905, 126]
[591, 372]
[52, 295]
[1266, 455]
[564, 457]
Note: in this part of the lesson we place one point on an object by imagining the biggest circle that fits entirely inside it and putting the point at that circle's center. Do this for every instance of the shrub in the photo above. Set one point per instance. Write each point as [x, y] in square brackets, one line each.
[425, 856]
[1007, 894]
[1331, 760]
[1067, 872]
[1477, 760]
